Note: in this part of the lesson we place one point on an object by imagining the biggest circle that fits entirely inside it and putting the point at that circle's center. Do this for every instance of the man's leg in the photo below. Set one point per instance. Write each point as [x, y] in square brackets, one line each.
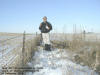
[46, 40]
[49, 47]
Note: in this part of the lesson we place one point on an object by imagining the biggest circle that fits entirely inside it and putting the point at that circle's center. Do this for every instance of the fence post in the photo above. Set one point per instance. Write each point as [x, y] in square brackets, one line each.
[23, 49]
[84, 35]
[36, 33]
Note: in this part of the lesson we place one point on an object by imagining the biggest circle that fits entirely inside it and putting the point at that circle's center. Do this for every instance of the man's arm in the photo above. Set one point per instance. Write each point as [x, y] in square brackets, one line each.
[40, 26]
[50, 26]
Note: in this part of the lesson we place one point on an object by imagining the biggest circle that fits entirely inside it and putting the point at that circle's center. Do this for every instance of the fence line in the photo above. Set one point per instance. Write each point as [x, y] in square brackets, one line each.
[23, 49]
[20, 53]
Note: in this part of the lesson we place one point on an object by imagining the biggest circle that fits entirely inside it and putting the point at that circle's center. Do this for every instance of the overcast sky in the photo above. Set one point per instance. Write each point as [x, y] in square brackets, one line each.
[20, 15]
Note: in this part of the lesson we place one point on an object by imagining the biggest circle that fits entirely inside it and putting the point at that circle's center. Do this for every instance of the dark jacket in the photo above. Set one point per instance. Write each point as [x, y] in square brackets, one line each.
[43, 28]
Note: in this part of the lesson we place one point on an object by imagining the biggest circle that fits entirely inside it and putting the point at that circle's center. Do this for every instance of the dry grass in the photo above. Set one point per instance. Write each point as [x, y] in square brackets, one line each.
[85, 50]
[30, 47]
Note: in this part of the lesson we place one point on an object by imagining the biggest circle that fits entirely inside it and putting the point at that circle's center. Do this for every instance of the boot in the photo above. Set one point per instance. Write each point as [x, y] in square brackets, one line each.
[47, 47]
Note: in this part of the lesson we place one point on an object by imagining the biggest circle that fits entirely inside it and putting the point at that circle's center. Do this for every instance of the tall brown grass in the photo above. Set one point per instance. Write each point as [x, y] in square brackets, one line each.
[87, 51]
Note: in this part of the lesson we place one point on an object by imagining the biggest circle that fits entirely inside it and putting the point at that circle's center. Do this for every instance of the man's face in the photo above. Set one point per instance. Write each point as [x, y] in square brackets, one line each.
[44, 19]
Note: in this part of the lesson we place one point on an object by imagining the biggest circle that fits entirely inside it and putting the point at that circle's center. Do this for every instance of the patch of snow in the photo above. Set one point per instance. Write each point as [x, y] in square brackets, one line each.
[57, 63]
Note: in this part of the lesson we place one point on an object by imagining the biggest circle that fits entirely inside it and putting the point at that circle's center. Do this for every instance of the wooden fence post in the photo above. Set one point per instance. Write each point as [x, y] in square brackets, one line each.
[84, 35]
[23, 49]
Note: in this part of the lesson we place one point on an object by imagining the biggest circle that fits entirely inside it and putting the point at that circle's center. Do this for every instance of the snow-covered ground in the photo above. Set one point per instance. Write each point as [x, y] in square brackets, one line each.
[57, 62]
[8, 47]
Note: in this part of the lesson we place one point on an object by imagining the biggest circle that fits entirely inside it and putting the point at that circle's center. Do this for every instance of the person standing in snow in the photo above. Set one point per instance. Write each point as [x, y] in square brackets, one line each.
[45, 27]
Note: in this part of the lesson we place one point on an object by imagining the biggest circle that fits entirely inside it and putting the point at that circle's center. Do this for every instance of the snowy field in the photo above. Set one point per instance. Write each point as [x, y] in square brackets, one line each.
[57, 62]
[9, 43]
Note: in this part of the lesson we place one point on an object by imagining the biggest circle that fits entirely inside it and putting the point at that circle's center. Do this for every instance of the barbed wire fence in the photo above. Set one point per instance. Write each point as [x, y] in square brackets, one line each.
[17, 50]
